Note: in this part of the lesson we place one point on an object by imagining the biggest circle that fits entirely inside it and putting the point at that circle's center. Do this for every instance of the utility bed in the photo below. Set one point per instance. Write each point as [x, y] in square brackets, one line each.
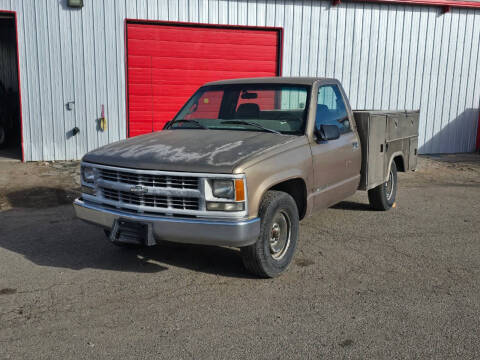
[384, 135]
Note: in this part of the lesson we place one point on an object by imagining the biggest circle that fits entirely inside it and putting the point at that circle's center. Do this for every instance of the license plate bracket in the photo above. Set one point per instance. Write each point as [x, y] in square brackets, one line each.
[132, 232]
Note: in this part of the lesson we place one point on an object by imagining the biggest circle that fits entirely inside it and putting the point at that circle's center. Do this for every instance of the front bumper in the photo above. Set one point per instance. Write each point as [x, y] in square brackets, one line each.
[183, 230]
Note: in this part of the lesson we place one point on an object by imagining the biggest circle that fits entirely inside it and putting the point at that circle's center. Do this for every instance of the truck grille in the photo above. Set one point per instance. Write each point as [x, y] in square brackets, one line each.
[157, 181]
[160, 192]
[154, 201]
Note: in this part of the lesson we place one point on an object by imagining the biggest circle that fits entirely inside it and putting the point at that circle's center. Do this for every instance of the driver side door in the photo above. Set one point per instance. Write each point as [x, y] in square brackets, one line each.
[336, 163]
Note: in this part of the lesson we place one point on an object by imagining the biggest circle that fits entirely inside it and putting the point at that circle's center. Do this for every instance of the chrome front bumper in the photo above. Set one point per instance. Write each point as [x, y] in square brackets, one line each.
[183, 230]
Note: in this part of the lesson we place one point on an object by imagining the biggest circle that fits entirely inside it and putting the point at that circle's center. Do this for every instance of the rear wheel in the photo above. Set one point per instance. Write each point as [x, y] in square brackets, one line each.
[274, 249]
[383, 196]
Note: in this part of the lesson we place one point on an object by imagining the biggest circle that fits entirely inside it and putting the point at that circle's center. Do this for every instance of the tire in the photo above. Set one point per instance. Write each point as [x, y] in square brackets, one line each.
[3, 136]
[383, 196]
[274, 249]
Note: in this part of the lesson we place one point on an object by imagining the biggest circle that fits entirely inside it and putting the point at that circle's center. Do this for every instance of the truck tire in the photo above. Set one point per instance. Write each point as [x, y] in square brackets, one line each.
[383, 196]
[273, 251]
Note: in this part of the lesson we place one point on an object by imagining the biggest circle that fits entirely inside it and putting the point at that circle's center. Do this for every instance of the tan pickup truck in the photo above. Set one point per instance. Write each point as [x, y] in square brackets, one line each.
[242, 163]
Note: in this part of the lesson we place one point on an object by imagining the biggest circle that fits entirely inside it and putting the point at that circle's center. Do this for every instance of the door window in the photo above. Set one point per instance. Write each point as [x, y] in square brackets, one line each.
[331, 109]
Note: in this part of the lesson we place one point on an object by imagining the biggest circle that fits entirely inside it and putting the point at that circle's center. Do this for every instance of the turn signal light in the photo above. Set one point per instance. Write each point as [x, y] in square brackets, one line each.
[239, 190]
[225, 206]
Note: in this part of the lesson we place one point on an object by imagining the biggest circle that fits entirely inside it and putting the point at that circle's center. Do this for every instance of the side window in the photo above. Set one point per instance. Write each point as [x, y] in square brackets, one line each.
[331, 108]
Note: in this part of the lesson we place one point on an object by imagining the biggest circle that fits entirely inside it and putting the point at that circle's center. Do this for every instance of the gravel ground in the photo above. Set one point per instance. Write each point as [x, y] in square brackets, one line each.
[363, 284]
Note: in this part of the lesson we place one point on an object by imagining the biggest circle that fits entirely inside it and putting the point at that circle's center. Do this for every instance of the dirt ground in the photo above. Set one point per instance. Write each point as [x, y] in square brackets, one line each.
[363, 284]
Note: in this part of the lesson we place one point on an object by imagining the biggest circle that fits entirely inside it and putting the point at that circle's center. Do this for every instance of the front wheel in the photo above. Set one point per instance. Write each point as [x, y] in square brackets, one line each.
[275, 246]
[383, 196]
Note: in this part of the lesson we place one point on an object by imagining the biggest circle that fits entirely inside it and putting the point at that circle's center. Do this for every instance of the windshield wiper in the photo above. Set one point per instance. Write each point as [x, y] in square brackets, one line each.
[188, 121]
[244, 122]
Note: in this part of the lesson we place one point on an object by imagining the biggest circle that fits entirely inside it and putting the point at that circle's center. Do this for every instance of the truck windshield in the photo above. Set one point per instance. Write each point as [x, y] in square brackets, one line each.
[253, 107]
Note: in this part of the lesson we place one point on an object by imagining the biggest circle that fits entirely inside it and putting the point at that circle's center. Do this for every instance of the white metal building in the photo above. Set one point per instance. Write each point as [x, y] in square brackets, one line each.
[405, 54]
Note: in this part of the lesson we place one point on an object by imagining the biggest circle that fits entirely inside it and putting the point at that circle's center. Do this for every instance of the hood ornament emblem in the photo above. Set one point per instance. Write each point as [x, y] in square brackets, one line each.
[139, 190]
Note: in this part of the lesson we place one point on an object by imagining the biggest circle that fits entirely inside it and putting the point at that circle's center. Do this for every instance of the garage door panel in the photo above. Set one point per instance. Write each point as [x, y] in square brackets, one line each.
[169, 101]
[203, 77]
[167, 64]
[165, 105]
[205, 35]
[140, 102]
[140, 89]
[140, 76]
[208, 64]
[175, 91]
[220, 40]
[141, 116]
[202, 50]
[139, 61]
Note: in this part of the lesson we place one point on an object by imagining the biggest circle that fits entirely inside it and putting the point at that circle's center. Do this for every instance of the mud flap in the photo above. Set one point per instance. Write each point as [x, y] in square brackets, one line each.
[134, 233]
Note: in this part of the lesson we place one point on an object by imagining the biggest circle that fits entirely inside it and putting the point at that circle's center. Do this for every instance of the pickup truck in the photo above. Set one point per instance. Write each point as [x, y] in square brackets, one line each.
[242, 163]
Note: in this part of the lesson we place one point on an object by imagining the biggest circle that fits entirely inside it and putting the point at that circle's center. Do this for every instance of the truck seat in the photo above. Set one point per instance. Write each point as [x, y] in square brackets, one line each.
[248, 111]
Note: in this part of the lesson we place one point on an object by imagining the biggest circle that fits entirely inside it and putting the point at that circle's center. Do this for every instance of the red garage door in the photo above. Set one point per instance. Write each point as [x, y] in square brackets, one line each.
[166, 63]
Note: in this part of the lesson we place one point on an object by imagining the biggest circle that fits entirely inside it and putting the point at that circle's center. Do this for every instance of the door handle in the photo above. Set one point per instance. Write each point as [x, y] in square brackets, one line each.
[355, 145]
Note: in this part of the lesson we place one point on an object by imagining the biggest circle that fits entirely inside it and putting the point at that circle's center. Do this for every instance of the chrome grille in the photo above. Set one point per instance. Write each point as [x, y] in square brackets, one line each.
[153, 192]
[155, 201]
[157, 181]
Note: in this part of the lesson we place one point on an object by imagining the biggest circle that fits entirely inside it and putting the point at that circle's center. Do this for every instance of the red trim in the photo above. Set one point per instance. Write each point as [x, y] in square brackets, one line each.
[189, 24]
[445, 3]
[280, 56]
[478, 133]
[126, 81]
[14, 13]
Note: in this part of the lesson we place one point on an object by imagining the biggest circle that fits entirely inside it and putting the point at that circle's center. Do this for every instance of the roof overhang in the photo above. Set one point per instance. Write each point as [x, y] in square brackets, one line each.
[441, 3]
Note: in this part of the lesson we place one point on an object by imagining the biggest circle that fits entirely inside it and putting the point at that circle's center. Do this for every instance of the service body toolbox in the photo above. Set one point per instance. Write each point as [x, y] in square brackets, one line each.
[383, 135]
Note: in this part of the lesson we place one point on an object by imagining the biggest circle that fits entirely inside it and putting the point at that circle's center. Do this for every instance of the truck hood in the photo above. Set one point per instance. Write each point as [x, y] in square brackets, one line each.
[210, 151]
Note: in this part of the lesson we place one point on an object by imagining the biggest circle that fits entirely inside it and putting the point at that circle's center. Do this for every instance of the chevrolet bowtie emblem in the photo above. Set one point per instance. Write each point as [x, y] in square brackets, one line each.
[139, 189]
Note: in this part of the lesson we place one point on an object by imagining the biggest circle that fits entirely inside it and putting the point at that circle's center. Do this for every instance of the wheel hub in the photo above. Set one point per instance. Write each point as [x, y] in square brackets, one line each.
[280, 235]
[389, 185]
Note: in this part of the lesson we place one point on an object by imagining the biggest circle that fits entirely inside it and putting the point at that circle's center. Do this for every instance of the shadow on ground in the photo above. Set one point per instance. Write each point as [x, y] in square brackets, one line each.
[40, 197]
[350, 205]
[42, 227]
[51, 235]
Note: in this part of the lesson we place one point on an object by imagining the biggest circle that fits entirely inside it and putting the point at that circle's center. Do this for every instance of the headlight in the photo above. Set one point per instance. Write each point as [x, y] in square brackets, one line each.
[223, 189]
[88, 174]
[225, 194]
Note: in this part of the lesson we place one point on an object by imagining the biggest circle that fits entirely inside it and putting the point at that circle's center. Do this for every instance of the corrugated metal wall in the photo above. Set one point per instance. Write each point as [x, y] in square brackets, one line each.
[387, 57]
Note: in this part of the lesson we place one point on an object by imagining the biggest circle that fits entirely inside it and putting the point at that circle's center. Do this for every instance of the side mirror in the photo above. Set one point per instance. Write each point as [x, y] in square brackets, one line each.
[327, 132]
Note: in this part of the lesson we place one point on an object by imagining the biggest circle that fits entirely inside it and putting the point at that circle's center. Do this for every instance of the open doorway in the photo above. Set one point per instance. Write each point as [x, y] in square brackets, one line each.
[10, 120]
